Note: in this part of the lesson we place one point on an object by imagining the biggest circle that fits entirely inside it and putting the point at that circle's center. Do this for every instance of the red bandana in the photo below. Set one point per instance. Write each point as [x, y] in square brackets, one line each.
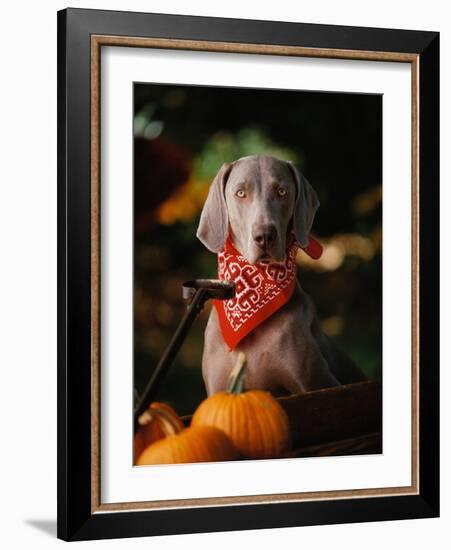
[260, 290]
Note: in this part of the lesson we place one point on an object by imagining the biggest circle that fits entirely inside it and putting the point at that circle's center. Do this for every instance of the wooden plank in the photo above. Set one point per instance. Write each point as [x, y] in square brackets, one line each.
[335, 413]
[362, 444]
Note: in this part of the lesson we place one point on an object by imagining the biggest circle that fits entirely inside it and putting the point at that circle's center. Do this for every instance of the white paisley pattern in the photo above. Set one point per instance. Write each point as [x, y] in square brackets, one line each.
[255, 285]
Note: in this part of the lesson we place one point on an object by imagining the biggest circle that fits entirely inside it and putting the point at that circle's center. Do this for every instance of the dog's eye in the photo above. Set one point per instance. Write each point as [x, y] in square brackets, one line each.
[281, 192]
[240, 194]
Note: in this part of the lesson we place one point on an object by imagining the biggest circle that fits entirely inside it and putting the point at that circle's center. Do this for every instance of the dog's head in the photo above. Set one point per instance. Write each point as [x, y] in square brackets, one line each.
[259, 199]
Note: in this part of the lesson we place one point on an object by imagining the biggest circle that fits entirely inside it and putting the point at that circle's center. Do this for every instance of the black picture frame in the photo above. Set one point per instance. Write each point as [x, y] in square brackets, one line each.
[76, 518]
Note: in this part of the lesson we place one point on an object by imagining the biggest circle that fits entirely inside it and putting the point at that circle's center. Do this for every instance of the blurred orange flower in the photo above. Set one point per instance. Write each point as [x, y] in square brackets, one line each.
[185, 204]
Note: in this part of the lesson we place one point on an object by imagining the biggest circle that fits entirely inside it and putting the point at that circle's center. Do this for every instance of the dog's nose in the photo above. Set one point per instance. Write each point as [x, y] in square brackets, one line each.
[264, 235]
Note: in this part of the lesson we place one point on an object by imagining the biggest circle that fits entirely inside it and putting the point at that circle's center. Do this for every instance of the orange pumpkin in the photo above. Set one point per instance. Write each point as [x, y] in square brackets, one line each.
[158, 421]
[254, 420]
[195, 444]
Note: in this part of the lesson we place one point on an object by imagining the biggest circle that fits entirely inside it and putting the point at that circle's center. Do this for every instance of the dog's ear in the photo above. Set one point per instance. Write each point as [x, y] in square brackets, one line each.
[214, 221]
[305, 207]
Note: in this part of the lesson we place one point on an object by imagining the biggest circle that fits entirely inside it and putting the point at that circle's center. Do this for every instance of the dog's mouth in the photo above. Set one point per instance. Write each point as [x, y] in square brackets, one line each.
[267, 257]
[273, 253]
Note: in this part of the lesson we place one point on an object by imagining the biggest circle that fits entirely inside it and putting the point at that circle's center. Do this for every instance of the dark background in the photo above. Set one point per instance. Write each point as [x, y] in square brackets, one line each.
[182, 136]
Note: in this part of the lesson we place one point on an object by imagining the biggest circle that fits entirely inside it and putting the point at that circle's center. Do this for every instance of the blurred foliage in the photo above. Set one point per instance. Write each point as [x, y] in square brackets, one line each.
[186, 203]
[183, 134]
[227, 147]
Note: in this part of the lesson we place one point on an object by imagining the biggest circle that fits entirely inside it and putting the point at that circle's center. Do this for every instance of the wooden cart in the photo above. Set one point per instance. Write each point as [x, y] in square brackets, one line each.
[344, 420]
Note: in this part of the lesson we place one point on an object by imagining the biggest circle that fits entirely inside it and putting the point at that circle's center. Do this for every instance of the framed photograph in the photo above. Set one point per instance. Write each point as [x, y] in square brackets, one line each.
[248, 274]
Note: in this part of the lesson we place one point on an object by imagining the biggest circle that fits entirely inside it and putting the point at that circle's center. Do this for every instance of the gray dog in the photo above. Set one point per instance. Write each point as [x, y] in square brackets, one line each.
[260, 201]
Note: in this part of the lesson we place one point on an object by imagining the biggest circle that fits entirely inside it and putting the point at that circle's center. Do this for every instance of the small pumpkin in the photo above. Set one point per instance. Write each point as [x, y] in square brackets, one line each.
[194, 444]
[254, 420]
[158, 421]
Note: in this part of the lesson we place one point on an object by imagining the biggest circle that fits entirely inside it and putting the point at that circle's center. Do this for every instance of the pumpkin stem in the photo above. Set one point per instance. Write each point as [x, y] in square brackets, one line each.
[236, 378]
[167, 424]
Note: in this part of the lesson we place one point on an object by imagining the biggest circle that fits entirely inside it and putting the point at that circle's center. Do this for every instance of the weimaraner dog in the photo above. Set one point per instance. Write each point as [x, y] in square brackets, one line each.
[261, 200]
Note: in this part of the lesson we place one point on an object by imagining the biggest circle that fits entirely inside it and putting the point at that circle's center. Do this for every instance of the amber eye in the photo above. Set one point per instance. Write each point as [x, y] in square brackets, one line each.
[281, 192]
[240, 194]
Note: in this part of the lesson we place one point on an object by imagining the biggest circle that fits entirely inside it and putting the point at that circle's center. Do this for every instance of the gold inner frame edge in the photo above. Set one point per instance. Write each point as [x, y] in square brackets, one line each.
[97, 41]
